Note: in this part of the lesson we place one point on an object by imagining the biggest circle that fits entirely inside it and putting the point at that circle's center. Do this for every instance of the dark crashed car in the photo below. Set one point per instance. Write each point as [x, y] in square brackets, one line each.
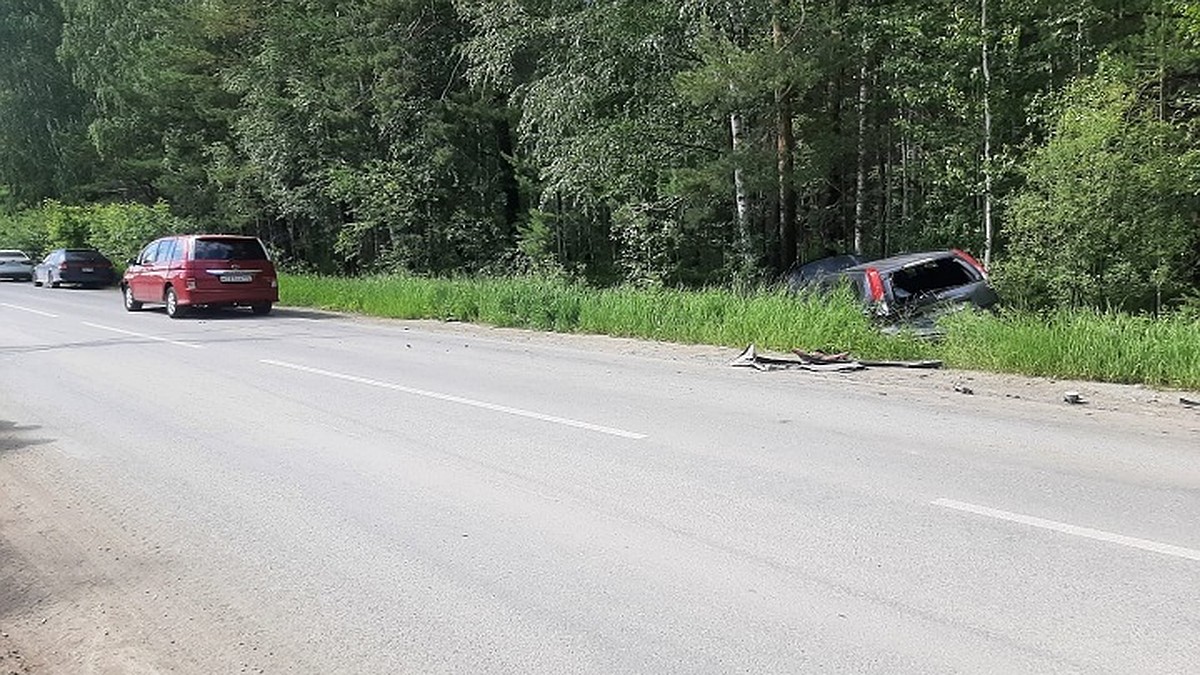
[911, 289]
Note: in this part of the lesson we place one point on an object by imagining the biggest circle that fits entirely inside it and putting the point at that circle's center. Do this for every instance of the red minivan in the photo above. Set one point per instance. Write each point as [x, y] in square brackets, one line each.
[194, 270]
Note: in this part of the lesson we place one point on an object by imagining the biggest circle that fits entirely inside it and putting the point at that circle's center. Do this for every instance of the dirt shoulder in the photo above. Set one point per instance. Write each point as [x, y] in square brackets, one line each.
[81, 593]
[12, 661]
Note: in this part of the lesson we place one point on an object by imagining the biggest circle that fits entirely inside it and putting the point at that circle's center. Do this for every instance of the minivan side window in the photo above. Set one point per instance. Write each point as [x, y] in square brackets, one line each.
[149, 253]
[177, 250]
[166, 250]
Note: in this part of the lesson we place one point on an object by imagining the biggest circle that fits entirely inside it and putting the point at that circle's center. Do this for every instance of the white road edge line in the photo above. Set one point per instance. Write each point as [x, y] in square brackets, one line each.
[143, 335]
[459, 399]
[1065, 528]
[31, 311]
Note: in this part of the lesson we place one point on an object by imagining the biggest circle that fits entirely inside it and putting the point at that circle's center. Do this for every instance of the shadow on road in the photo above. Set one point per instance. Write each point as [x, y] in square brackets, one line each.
[244, 314]
[235, 313]
[15, 437]
[112, 342]
[298, 313]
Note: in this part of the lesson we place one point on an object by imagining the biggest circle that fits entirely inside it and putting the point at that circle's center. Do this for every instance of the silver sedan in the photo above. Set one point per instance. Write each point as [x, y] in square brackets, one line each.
[15, 265]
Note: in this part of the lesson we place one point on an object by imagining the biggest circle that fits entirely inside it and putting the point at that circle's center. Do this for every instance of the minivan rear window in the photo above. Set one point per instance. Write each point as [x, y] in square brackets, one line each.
[228, 249]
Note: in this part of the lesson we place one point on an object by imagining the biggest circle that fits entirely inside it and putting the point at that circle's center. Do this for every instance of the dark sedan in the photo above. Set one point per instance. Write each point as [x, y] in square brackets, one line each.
[78, 266]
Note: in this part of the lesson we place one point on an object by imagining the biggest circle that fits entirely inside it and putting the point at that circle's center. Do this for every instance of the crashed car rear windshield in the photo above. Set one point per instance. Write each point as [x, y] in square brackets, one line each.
[933, 275]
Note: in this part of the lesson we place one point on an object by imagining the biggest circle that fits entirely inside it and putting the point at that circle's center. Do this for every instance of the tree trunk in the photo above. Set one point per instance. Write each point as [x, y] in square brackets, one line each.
[785, 148]
[905, 179]
[860, 174]
[745, 238]
[508, 175]
[987, 141]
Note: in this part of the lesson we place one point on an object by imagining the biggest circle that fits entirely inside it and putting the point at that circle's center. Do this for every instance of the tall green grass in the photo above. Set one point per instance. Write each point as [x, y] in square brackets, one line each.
[1066, 344]
[1079, 344]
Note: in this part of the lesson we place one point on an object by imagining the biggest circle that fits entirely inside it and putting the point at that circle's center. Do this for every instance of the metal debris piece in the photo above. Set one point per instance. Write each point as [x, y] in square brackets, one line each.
[1191, 403]
[1073, 398]
[750, 358]
[964, 389]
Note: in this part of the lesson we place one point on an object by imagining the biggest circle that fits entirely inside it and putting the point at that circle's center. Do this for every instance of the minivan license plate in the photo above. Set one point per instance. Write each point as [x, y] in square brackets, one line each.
[235, 278]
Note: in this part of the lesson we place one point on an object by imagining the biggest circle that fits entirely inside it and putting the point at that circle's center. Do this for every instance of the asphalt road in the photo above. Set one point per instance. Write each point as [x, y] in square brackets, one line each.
[306, 493]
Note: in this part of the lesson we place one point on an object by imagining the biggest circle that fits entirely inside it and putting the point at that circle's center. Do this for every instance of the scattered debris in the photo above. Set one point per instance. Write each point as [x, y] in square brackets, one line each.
[819, 361]
[964, 389]
[1188, 402]
[1073, 398]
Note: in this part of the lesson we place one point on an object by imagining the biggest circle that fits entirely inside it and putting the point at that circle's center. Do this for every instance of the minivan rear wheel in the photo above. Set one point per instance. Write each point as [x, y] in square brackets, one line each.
[174, 310]
[131, 305]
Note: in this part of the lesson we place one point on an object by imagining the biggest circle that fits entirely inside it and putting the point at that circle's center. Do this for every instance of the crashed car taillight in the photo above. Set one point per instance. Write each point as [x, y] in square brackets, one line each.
[875, 284]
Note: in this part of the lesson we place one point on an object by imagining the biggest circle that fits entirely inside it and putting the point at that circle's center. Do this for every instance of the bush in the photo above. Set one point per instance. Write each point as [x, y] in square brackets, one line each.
[116, 230]
[1108, 218]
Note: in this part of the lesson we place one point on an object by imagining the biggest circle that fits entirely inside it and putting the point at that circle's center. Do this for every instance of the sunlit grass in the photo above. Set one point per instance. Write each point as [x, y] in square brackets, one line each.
[1064, 344]
[1080, 344]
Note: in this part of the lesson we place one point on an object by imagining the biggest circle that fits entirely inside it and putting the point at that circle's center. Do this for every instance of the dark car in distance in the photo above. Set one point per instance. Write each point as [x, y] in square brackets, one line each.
[904, 288]
[201, 270]
[77, 266]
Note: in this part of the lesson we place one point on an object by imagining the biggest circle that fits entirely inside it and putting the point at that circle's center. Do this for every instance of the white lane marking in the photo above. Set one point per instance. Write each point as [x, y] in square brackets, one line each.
[30, 310]
[1065, 528]
[459, 399]
[143, 336]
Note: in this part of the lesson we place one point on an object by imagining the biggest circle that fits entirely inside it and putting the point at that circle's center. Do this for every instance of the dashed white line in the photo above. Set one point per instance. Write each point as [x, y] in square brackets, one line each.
[460, 400]
[143, 336]
[1065, 528]
[30, 310]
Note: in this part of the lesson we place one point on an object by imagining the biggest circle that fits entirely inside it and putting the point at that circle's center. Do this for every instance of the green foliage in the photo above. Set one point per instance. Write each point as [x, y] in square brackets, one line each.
[43, 152]
[117, 230]
[595, 140]
[25, 231]
[1108, 218]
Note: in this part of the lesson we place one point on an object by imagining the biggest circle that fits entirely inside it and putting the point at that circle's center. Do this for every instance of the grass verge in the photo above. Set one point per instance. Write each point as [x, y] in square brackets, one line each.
[1065, 344]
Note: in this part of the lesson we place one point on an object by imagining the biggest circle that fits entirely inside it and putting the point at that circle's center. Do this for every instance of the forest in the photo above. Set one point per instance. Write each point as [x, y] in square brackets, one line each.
[650, 143]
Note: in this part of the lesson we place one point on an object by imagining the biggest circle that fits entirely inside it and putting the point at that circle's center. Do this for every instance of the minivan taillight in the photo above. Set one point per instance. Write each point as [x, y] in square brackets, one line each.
[875, 284]
[62, 266]
[971, 261]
